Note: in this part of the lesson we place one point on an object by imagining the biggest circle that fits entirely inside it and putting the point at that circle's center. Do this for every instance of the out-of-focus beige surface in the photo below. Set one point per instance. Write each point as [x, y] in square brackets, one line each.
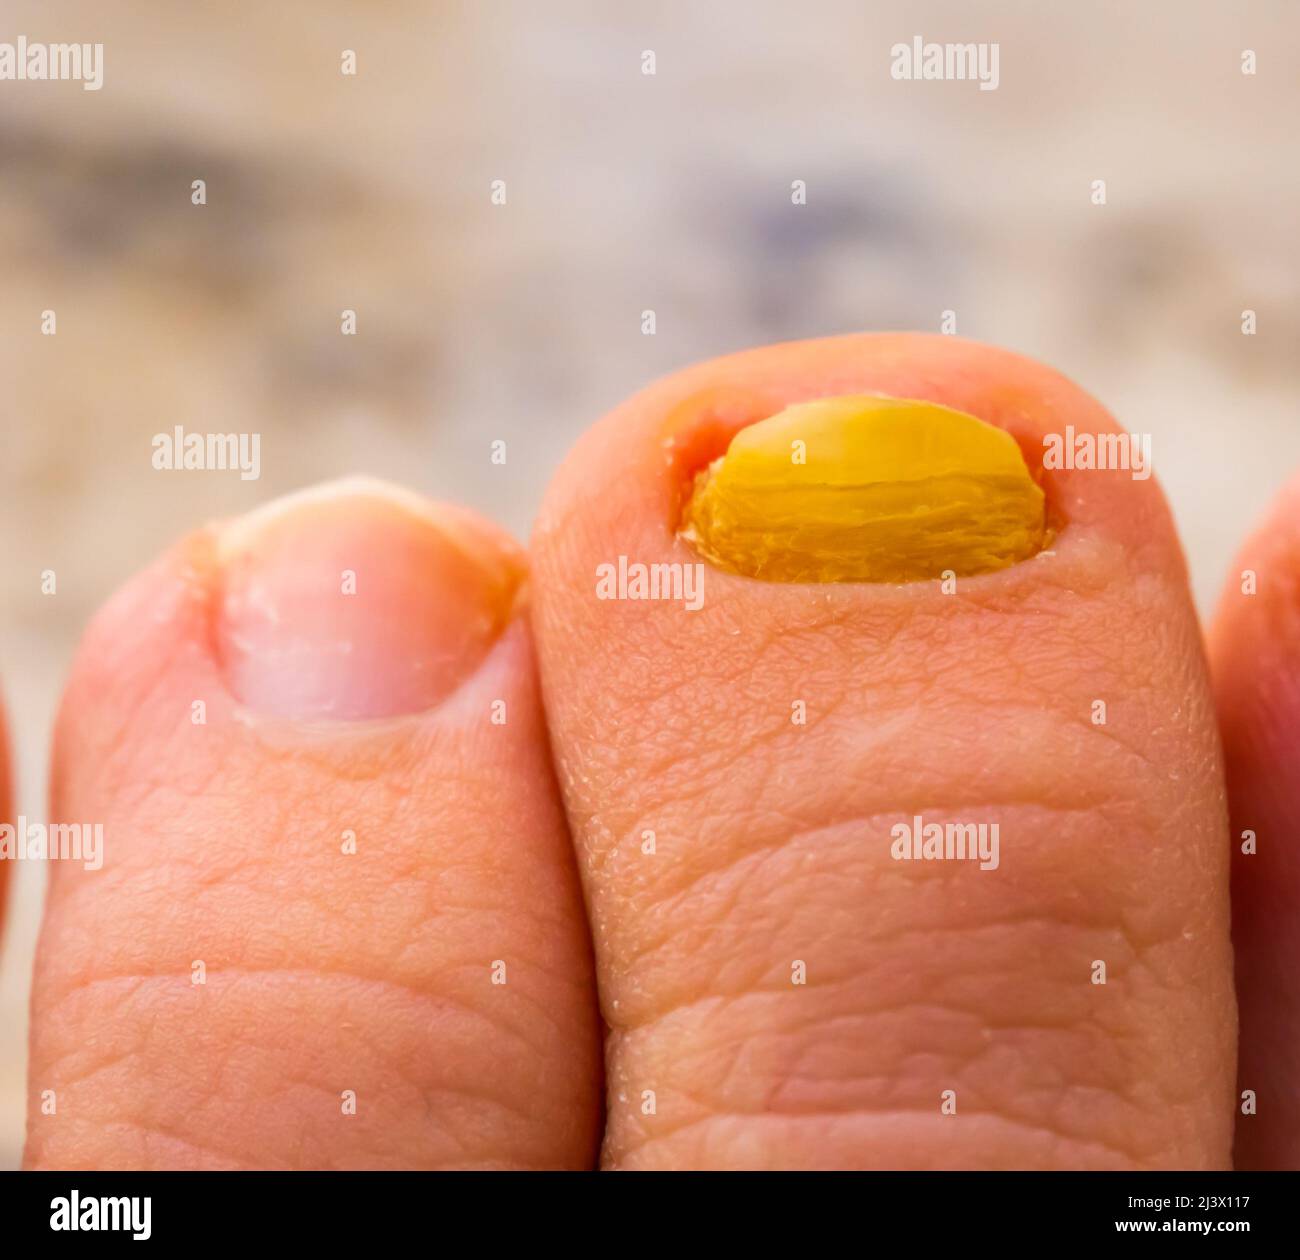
[625, 193]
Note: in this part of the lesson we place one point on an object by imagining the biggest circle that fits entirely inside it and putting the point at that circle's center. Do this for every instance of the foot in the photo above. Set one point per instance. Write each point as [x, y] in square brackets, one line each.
[406, 832]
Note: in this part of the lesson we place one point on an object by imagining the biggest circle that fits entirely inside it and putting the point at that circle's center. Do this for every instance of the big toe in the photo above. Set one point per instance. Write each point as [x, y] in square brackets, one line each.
[765, 773]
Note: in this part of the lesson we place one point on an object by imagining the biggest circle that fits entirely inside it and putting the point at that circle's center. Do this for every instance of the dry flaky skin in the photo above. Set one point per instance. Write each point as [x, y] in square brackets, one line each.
[866, 489]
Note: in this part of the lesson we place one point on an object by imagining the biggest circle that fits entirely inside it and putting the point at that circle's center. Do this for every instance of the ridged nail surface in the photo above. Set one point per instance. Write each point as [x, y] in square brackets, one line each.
[866, 489]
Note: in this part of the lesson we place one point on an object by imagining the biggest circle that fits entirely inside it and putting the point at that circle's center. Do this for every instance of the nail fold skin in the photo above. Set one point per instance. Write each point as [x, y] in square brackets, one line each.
[358, 600]
[866, 489]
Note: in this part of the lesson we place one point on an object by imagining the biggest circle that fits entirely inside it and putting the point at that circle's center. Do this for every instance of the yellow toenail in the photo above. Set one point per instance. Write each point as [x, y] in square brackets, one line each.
[866, 489]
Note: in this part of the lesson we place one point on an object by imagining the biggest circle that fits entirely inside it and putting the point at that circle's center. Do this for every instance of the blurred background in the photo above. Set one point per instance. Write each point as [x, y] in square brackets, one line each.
[624, 193]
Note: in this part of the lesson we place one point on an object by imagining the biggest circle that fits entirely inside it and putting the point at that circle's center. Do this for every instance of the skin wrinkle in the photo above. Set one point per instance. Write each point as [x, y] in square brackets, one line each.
[146, 1131]
[315, 971]
[965, 1091]
[963, 927]
[519, 1111]
[714, 1002]
[669, 910]
[899, 1075]
[177, 979]
[715, 1119]
[741, 752]
[1128, 960]
[762, 839]
[1053, 1095]
[286, 1085]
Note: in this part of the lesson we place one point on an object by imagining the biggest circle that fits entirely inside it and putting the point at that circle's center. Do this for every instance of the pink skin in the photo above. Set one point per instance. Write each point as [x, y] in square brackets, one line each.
[1255, 653]
[401, 705]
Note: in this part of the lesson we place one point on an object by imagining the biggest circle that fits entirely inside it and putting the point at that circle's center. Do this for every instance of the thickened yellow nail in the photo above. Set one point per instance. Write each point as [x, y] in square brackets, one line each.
[866, 489]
